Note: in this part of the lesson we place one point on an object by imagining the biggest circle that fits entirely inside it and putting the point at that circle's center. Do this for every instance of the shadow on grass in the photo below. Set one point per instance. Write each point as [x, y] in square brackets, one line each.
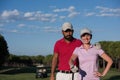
[19, 70]
[117, 77]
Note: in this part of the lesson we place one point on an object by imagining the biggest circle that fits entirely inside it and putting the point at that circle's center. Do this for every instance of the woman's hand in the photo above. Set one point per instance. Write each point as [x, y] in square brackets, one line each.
[98, 74]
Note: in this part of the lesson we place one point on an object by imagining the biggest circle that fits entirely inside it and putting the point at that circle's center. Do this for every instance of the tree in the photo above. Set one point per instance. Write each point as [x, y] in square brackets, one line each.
[37, 59]
[48, 60]
[104, 45]
[4, 53]
[112, 48]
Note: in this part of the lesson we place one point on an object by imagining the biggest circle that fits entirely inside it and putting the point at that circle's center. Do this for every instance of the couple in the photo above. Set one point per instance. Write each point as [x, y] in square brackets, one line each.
[69, 51]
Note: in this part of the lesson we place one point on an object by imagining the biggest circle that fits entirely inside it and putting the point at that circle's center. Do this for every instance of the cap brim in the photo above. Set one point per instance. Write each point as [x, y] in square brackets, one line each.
[68, 29]
[85, 34]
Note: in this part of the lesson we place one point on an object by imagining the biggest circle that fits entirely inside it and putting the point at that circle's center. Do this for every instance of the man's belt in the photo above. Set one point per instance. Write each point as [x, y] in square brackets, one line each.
[65, 71]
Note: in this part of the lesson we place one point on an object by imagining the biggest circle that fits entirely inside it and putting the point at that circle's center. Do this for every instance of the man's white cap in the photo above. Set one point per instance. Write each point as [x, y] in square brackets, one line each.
[85, 30]
[66, 26]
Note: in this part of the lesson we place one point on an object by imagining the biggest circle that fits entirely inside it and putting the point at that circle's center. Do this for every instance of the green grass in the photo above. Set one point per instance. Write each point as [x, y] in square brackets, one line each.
[22, 76]
[14, 73]
[29, 74]
[112, 75]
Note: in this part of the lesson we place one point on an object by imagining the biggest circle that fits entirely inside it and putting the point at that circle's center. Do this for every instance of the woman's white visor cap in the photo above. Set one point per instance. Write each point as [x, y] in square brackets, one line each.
[85, 30]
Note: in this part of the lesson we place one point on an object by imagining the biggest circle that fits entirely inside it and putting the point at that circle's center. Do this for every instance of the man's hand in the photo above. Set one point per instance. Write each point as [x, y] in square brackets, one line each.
[52, 77]
[98, 46]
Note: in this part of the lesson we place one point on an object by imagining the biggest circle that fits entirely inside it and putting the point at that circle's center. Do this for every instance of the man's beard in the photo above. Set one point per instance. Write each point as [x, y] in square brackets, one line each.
[69, 37]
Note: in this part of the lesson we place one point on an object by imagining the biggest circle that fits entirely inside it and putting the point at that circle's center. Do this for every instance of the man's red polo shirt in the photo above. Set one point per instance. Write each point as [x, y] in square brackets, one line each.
[64, 51]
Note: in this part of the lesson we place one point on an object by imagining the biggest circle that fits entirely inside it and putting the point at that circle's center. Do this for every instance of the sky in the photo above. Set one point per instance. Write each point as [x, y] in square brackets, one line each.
[31, 27]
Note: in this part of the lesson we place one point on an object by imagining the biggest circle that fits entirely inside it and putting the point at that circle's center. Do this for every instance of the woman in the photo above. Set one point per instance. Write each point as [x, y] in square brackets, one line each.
[88, 55]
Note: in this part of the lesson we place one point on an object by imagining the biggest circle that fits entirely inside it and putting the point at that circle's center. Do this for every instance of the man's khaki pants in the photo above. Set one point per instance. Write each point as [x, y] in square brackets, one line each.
[66, 76]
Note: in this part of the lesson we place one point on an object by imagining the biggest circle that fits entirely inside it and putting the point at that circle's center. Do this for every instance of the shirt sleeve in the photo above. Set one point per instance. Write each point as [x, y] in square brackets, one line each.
[75, 51]
[56, 48]
[100, 52]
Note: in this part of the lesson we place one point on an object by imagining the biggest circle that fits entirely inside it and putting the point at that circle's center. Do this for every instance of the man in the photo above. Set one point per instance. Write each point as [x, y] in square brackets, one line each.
[63, 50]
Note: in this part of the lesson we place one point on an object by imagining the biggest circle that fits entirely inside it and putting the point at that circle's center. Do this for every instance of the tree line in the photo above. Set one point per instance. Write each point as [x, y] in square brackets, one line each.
[8, 59]
[24, 60]
[112, 48]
